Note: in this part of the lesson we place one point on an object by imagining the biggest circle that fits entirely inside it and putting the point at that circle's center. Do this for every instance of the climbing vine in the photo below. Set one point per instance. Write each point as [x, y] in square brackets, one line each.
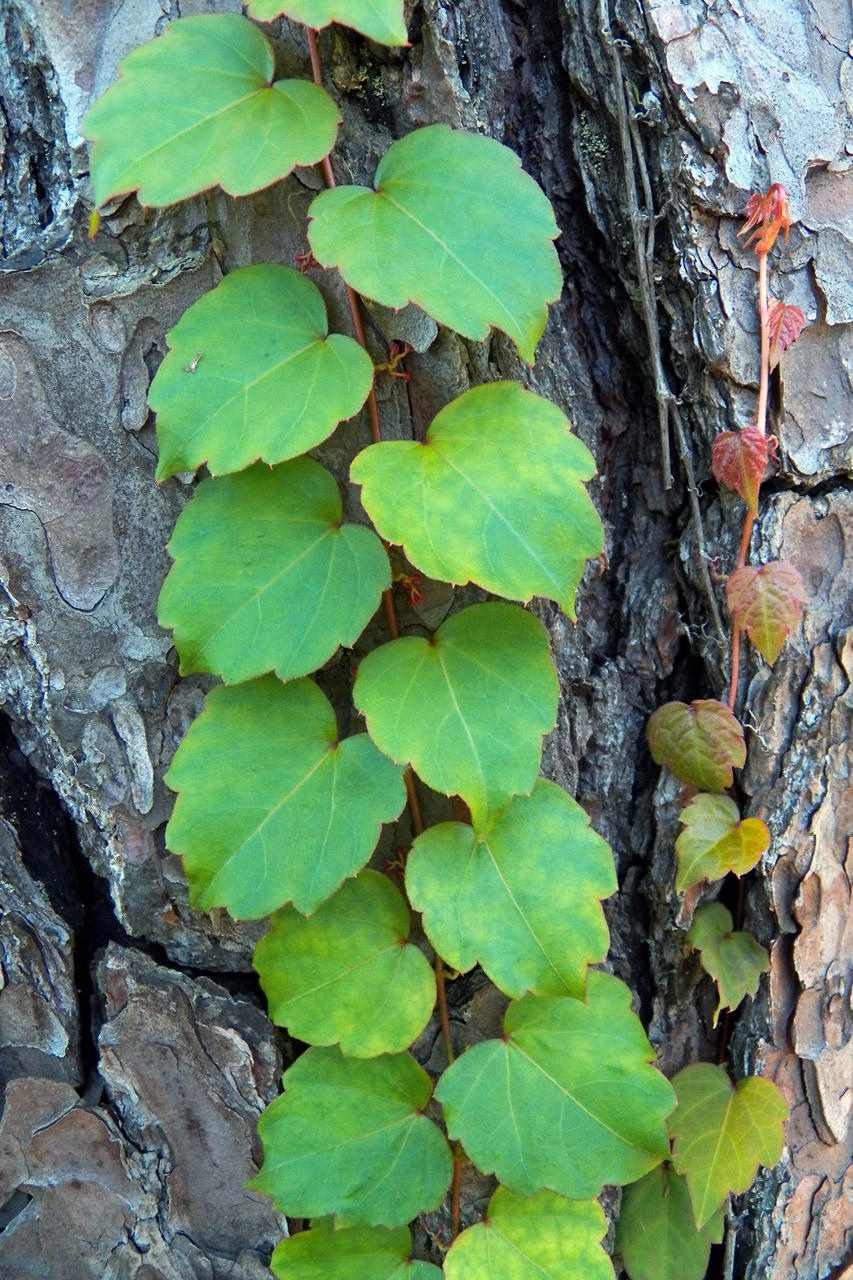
[277, 815]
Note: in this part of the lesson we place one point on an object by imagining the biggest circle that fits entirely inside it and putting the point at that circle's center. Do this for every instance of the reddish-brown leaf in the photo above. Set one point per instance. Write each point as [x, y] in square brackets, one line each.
[700, 743]
[765, 603]
[786, 325]
[769, 214]
[738, 459]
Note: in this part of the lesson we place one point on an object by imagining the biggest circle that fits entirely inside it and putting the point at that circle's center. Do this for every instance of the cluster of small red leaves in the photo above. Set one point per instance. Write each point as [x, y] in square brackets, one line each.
[766, 216]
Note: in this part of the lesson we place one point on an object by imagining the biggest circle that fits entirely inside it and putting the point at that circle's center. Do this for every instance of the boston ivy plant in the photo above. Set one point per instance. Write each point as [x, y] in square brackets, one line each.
[276, 815]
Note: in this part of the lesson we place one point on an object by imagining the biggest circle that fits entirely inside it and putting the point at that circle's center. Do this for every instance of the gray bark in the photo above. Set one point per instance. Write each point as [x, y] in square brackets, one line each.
[133, 1075]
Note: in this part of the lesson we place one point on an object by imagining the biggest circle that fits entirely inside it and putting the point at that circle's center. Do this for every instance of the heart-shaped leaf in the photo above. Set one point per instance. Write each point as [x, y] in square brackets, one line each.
[198, 106]
[272, 807]
[379, 1162]
[414, 238]
[468, 708]
[347, 974]
[738, 460]
[379, 20]
[656, 1234]
[252, 374]
[356, 1253]
[765, 603]
[266, 577]
[699, 744]
[493, 495]
[723, 1132]
[542, 1238]
[717, 840]
[733, 958]
[565, 1100]
[505, 897]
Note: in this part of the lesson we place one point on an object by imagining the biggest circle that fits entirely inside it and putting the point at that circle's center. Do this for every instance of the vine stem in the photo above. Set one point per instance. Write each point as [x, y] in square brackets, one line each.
[761, 423]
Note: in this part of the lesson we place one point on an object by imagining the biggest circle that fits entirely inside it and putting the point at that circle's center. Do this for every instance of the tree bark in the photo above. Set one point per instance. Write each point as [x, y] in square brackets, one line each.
[135, 1054]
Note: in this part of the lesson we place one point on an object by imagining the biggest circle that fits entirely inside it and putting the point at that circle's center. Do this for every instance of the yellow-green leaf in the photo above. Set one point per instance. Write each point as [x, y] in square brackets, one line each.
[199, 106]
[379, 20]
[656, 1233]
[716, 840]
[765, 603]
[733, 958]
[354, 1253]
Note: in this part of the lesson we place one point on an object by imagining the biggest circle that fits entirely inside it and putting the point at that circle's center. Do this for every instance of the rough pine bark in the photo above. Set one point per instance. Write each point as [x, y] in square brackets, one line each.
[135, 1052]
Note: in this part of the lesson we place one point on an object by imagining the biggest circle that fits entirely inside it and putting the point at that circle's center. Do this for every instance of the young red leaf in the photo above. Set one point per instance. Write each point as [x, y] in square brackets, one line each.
[699, 744]
[715, 840]
[738, 459]
[765, 603]
[786, 325]
[769, 214]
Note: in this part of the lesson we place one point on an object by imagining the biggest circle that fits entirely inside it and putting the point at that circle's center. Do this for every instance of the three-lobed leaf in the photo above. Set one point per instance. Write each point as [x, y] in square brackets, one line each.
[379, 20]
[266, 577]
[347, 974]
[272, 807]
[426, 234]
[522, 897]
[494, 494]
[765, 603]
[198, 106]
[566, 1100]
[732, 957]
[739, 459]
[656, 1233]
[723, 1132]
[253, 373]
[716, 840]
[468, 708]
[354, 1253]
[348, 1137]
[544, 1237]
[786, 323]
[699, 743]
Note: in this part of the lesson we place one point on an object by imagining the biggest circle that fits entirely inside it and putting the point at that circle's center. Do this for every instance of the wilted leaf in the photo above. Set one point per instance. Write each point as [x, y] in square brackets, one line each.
[377, 1163]
[544, 1237]
[413, 238]
[722, 1132]
[522, 898]
[739, 459]
[765, 603]
[468, 708]
[379, 20]
[198, 106]
[356, 1253]
[699, 743]
[347, 974]
[734, 959]
[717, 840]
[565, 1100]
[252, 374]
[272, 807]
[266, 577]
[786, 324]
[656, 1233]
[493, 495]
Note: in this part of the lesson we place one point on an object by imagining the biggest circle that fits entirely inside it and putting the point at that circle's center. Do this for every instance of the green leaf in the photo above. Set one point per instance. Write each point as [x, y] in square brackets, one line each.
[716, 840]
[348, 1137]
[699, 743]
[347, 974]
[765, 603]
[266, 577]
[734, 959]
[564, 1100]
[252, 374]
[452, 224]
[379, 20]
[542, 1238]
[468, 708]
[656, 1234]
[522, 898]
[493, 495]
[272, 807]
[359, 1253]
[723, 1132]
[197, 107]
